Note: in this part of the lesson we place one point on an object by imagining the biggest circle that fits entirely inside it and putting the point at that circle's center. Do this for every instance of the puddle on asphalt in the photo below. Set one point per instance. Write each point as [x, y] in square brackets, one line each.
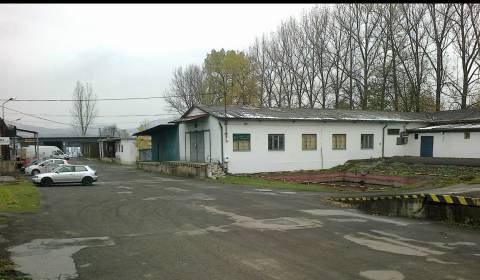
[345, 213]
[347, 220]
[440, 261]
[52, 258]
[395, 244]
[261, 193]
[280, 224]
[197, 196]
[202, 230]
[390, 245]
[269, 267]
[173, 189]
[287, 192]
[382, 275]
[442, 245]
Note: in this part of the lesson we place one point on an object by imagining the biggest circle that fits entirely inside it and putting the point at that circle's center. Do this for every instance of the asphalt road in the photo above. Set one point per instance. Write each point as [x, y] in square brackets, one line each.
[138, 225]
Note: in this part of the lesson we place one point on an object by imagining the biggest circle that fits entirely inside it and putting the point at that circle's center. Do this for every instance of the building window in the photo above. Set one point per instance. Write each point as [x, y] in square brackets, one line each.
[241, 142]
[366, 141]
[339, 141]
[466, 135]
[393, 131]
[121, 148]
[309, 142]
[416, 135]
[276, 142]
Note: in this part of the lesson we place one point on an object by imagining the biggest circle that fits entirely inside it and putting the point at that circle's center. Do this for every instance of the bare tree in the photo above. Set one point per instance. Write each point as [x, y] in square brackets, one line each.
[467, 47]
[438, 27]
[338, 55]
[186, 89]
[393, 17]
[84, 109]
[346, 13]
[365, 26]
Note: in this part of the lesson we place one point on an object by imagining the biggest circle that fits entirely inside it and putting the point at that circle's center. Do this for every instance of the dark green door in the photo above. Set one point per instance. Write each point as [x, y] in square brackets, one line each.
[426, 146]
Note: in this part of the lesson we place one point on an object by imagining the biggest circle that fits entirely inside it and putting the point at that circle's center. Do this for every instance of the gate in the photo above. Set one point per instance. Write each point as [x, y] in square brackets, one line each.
[197, 146]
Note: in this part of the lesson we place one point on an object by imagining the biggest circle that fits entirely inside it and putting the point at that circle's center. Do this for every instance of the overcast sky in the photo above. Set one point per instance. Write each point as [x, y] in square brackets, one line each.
[122, 50]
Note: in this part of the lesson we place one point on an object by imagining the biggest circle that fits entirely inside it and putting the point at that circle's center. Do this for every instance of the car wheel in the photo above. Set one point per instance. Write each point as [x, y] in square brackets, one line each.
[35, 172]
[87, 181]
[46, 182]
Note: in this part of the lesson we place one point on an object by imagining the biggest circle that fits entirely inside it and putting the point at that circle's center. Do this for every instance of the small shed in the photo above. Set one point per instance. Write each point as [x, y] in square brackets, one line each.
[118, 149]
[164, 141]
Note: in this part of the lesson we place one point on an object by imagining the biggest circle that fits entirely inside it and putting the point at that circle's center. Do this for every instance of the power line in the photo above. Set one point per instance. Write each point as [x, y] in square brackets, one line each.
[98, 99]
[108, 116]
[31, 115]
[57, 122]
[104, 99]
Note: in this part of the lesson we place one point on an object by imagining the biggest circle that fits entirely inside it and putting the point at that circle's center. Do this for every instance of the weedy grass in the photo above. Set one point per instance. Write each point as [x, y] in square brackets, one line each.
[21, 196]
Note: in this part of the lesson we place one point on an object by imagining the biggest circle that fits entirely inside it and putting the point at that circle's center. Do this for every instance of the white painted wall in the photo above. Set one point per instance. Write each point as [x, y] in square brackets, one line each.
[260, 159]
[130, 151]
[391, 147]
[448, 144]
[212, 133]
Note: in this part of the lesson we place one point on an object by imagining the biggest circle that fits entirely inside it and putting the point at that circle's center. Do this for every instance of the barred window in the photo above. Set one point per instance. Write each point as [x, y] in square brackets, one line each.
[241, 142]
[339, 141]
[367, 141]
[276, 142]
[393, 131]
[309, 142]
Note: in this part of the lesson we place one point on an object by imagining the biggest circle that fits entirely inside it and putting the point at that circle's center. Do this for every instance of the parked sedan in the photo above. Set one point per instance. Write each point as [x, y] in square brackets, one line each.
[41, 167]
[67, 174]
[28, 162]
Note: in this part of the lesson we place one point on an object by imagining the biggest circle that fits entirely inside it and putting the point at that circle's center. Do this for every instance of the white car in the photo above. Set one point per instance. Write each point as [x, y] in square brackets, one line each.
[67, 174]
[41, 167]
[59, 154]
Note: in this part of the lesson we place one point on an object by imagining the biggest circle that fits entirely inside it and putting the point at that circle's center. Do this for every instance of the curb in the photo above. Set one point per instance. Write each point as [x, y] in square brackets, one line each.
[452, 199]
[436, 198]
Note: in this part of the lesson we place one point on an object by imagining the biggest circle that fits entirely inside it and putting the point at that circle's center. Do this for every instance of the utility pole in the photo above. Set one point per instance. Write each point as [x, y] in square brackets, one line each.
[3, 106]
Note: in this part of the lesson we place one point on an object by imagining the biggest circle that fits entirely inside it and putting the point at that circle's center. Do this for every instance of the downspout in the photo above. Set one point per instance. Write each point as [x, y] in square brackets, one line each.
[383, 140]
[221, 140]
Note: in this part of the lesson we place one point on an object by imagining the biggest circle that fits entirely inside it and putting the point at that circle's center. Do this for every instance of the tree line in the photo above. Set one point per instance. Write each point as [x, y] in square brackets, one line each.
[401, 57]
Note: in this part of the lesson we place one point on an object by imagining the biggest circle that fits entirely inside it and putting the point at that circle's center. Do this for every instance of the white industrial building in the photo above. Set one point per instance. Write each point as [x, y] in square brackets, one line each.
[119, 149]
[250, 139]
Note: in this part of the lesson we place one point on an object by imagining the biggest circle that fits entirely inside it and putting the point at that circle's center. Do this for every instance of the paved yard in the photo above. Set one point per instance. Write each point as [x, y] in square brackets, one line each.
[138, 225]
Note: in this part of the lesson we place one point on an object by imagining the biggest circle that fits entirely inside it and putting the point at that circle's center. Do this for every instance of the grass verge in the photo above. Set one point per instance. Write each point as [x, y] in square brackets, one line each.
[264, 183]
[430, 176]
[22, 196]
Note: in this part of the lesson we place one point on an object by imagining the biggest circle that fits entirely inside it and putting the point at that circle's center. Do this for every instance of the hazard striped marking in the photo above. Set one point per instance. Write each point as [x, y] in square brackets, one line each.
[437, 198]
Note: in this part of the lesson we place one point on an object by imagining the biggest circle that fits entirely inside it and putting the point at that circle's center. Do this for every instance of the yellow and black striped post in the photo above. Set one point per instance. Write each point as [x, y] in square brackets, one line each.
[453, 199]
[437, 198]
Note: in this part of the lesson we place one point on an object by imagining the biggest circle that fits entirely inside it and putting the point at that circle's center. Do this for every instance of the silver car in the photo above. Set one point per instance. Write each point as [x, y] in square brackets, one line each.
[67, 174]
[41, 167]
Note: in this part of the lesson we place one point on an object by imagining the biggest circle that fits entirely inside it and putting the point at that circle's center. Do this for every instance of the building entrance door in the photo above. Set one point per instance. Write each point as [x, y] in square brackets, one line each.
[197, 146]
[426, 146]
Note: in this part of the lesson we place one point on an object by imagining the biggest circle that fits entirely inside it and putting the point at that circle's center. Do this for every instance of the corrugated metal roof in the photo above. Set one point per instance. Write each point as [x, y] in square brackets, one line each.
[152, 129]
[447, 127]
[248, 112]
[319, 114]
[190, 118]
